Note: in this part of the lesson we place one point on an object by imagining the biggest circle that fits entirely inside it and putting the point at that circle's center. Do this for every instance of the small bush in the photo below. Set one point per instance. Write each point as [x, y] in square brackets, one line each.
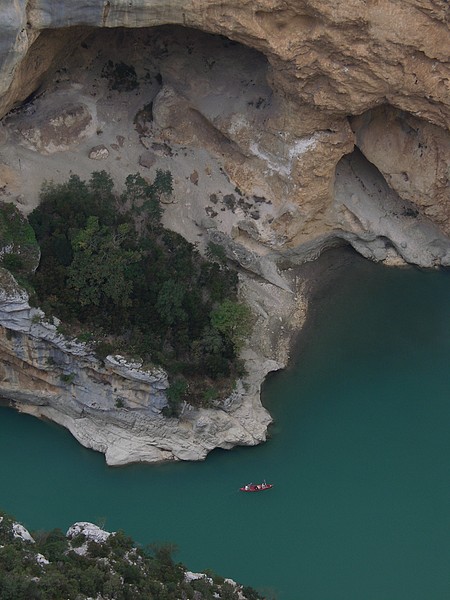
[85, 337]
[13, 262]
[78, 540]
[67, 377]
[104, 349]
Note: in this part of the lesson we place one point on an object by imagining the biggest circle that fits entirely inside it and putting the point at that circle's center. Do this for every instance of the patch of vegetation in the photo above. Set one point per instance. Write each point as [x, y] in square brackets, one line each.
[115, 569]
[19, 250]
[85, 337]
[176, 393]
[68, 377]
[216, 252]
[109, 267]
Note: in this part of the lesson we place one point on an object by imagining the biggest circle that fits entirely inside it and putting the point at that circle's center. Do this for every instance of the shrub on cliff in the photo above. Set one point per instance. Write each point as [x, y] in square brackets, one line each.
[19, 250]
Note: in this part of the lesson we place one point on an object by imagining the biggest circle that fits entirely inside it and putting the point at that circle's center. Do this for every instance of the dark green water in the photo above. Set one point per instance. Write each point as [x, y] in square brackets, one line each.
[359, 457]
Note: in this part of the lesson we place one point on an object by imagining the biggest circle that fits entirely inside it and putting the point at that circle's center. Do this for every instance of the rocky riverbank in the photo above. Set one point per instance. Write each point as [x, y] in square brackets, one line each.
[115, 406]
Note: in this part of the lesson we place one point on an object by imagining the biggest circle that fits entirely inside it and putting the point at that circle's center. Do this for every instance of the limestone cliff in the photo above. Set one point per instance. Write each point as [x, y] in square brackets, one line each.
[115, 406]
[290, 126]
[320, 63]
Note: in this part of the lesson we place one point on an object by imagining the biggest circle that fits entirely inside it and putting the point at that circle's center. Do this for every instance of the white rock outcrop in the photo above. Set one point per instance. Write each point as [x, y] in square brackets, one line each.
[90, 533]
[115, 407]
[20, 532]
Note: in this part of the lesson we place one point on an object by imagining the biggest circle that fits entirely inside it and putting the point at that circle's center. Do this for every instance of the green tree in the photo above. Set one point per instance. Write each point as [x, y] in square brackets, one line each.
[163, 183]
[141, 198]
[169, 304]
[175, 395]
[102, 196]
[233, 320]
[19, 250]
[211, 342]
[100, 265]
[101, 183]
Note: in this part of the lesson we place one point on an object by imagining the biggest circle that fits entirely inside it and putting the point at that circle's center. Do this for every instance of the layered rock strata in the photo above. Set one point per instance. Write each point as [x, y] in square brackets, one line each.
[256, 107]
[325, 63]
[115, 406]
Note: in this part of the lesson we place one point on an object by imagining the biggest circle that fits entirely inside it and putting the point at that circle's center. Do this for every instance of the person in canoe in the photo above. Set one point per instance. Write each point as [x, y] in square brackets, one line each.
[251, 487]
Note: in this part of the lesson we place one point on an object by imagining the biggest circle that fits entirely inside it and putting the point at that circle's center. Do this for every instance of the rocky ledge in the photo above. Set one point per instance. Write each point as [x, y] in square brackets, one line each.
[115, 406]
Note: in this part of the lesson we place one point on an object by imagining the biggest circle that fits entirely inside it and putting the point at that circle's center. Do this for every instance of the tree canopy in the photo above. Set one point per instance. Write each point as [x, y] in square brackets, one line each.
[109, 268]
[51, 566]
[99, 271]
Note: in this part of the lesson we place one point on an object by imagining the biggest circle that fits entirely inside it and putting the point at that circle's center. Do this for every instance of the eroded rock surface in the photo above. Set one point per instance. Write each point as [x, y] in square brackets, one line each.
[256, 108]
[115, 407]
[413, 156]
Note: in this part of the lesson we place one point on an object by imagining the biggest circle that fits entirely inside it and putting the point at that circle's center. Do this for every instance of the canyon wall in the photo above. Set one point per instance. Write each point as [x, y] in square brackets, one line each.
[114, 405]
[290, 127]
[325, 62]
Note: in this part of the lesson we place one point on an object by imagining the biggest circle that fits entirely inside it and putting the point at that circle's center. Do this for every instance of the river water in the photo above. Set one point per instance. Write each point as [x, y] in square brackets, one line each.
[359, 456]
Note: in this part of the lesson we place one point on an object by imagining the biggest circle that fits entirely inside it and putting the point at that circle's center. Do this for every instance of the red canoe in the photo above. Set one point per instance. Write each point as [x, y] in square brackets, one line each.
[253, 487]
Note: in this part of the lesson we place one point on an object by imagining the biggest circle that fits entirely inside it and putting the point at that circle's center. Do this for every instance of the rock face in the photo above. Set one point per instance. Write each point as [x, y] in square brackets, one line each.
[341, 59]
[318, 64]
[58, 131]
[90, 532]
[413, 156]
[290, 126]
[115, 407]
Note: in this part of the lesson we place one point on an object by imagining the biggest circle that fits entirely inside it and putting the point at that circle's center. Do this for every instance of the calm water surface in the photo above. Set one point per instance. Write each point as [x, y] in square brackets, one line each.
[359, 456]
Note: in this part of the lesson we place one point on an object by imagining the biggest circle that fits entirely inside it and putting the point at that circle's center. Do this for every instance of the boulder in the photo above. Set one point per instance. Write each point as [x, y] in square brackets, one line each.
[100, 152]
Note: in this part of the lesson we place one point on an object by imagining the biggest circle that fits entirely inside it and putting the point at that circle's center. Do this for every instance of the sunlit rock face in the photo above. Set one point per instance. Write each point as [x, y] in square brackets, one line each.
[319, 63]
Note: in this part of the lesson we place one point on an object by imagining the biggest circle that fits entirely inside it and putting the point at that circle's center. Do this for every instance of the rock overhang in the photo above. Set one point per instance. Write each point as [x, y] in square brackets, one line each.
[287, 193]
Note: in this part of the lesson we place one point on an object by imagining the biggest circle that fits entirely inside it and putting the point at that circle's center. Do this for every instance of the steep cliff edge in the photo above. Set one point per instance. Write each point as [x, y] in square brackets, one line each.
[290, 127]
[115, 406]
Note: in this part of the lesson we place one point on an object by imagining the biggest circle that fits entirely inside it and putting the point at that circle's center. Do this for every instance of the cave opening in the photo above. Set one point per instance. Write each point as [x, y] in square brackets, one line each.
[246, 161]
[378, 222]
[135, 99]
[413, 156]
[142, 100]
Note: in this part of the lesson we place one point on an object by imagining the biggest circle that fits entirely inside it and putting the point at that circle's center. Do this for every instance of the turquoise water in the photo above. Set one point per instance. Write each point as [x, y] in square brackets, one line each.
[359, 455]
